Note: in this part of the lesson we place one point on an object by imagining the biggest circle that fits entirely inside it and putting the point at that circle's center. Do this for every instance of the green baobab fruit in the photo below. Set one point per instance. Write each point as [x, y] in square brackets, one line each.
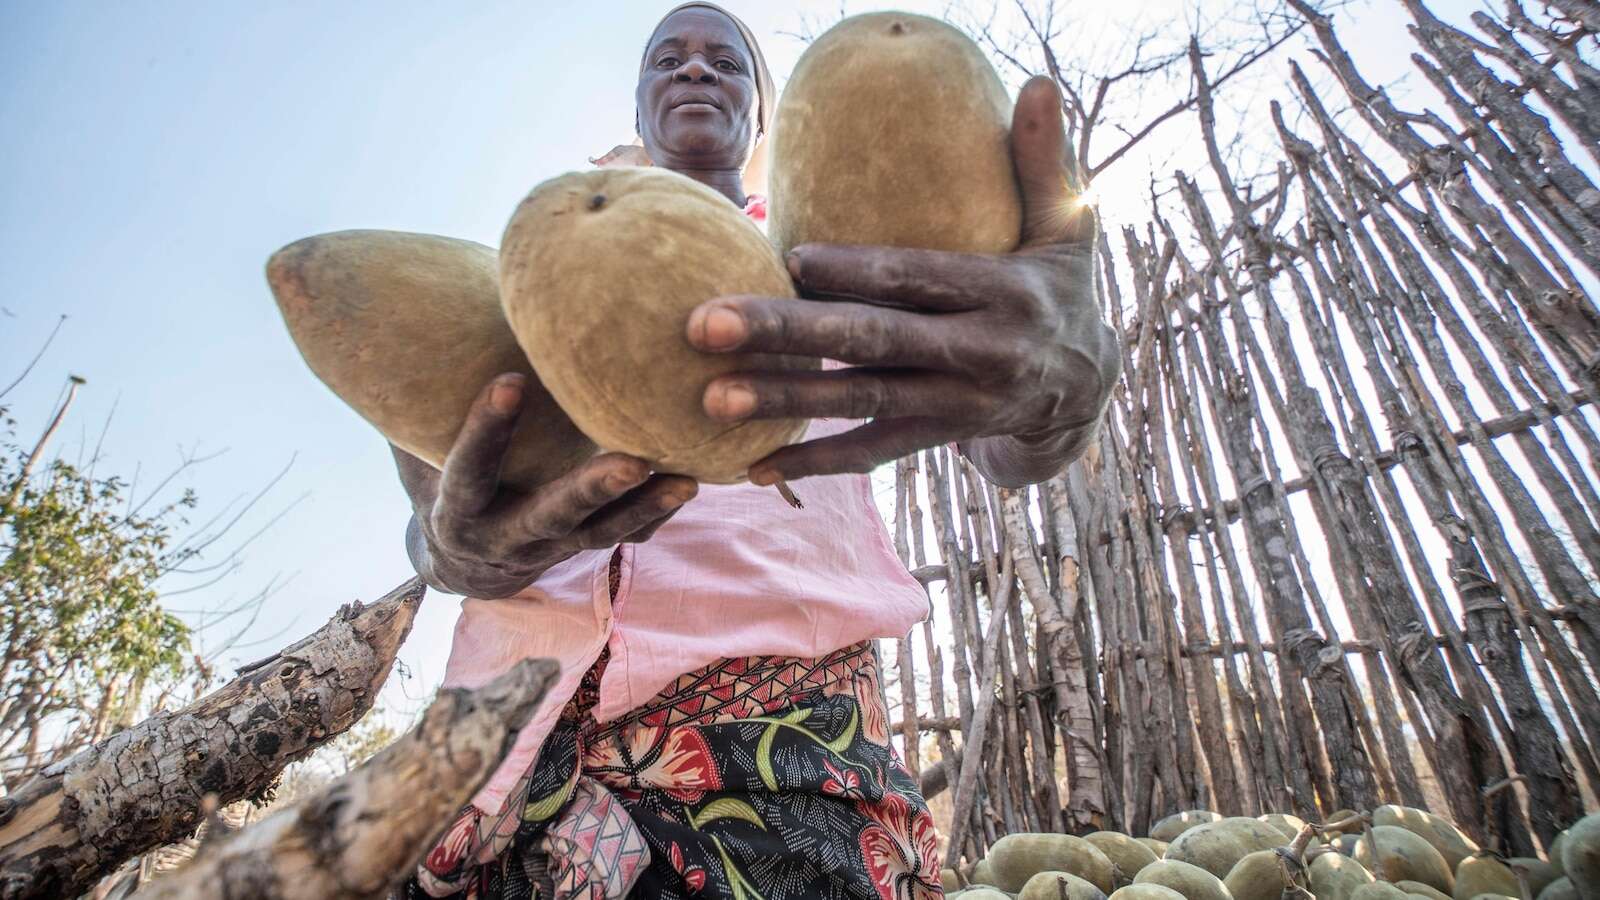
[1218, 846]
[1146, 892]
[1445, 837]
[1483, 874]
[1016, 858]
[1264, 875]
[1193, 882]
[1332, 876]
[1169, 828]
[1159, 848]
[894, 129]
[981, 873]
[407, 330]
[1289, 825]
[1059, 886]
[1422, 890]
[1580, 856]
[1560, 889]
[1378, 890]
[1538, 872]
[1127, 854]
[1403, 855]
[599, 271]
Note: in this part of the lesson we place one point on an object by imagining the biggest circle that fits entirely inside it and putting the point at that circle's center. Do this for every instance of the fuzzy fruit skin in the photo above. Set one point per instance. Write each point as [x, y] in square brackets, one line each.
[1191, 881]
[1218, 846]
[1404, 856]
[1170, 827]
[1379, 890]
[1332, 876]
[982, 873]
[1127, 854]
[894, 129]
[1048, 886]
[1539, 872]
[1159, 848]
[1261, 876]
[599, 271]
[1484, 875]
[1147, 892]
[1580, 856]
[1289, 825]
[981, 893]
[1445, 837]
[1422, 890]
[1560, 889]
[1018, 857]
[407, 329]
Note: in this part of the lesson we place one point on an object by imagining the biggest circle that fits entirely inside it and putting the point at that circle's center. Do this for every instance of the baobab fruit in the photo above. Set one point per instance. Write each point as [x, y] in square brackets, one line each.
[407, 330]
[1059, 886]
[1125, 853]
[1170, 827]
[1445, 837]
[1345, 816]
[1193, 882]
[894, 129]
[1378, 890]
[1401, 855]
[1560, 889]
[1538, 873]
[1331, 876]
[1422, 890]
[1016, 858]
[950, 880]
[981, 892]
[1146, 892]
[599, 271]
[981, 873]
[1483, 874]
[1218, 846]
[1159, 848]
[1580, 856]
[1264, 875]
[1289, 825]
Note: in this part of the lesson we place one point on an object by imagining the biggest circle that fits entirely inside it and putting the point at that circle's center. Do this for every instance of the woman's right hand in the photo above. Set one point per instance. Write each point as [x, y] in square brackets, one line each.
[471, 535]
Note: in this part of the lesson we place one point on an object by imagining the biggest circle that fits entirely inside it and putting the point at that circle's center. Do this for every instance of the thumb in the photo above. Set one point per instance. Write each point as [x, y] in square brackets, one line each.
[1051, 210]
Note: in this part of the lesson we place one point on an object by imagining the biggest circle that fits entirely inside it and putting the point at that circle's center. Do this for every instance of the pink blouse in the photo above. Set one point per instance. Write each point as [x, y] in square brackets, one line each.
[737, 572]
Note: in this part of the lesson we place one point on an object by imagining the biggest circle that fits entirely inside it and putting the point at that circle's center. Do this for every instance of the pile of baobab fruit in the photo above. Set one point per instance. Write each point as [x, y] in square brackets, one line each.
[893, 129]
[1393, 853]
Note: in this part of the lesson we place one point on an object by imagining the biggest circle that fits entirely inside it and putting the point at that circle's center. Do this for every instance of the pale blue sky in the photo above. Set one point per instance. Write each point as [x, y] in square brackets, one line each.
[156, 153]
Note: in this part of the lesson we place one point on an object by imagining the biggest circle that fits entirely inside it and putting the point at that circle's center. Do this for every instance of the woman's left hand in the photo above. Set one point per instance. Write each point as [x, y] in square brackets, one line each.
[989, 350]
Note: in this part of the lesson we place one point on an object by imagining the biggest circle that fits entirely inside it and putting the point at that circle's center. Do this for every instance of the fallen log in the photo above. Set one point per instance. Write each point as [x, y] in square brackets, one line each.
[362, 835]
[79, 819]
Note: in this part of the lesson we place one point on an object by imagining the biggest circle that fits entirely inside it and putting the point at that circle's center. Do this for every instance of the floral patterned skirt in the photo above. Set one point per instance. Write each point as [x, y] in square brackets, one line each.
[761, 778]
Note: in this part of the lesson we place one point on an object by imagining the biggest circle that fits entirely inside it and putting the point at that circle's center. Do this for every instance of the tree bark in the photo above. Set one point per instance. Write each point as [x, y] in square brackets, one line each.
[78, 819]
[362, 835]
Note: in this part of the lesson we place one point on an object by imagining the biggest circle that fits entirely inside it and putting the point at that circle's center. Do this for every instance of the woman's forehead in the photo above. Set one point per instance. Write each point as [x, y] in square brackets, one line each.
[698, 25]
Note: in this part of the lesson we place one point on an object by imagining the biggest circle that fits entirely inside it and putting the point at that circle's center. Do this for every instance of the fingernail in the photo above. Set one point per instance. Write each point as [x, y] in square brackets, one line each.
[763, 477]
[505, 397]
[792, 260]
[717, 328]
[734, 401]
[672, 501]
[621, 481]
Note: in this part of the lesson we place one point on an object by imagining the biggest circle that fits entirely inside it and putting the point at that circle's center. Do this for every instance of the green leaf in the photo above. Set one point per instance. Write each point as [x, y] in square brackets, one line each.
[726, 808]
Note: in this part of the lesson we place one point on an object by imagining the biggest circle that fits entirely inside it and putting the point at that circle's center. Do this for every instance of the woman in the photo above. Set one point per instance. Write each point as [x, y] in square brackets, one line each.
[719, 727]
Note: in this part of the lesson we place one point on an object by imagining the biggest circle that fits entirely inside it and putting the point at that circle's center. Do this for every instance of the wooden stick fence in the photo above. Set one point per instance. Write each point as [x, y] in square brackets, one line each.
[1344, 503]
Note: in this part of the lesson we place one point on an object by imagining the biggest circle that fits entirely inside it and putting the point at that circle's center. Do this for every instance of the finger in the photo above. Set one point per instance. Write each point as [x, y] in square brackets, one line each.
[471, 472]
[662, 495]
[859, 393]
[1052, 211]
[858, 450]
[932, 280]
[557, 509]
[849, 332]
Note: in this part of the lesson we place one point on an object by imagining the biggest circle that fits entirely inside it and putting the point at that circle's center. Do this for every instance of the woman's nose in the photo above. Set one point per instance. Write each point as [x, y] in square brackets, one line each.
[695, 71]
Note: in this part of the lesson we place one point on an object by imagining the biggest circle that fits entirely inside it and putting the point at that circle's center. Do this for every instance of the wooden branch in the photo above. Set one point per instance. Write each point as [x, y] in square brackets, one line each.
[1521, 420]
[77, 820]
[362, 835]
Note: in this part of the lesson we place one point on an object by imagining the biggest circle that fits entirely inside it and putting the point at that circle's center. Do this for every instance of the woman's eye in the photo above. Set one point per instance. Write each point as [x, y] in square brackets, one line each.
[727, 65]
[670, 62]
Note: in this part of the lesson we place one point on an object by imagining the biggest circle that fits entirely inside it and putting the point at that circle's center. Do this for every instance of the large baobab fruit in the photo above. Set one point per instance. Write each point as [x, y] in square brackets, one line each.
[406, 329]
[894, 129]
[598, 273]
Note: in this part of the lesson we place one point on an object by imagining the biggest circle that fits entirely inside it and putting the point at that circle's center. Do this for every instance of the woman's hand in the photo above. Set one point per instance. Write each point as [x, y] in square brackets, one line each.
[1008, 353]
[472, 535]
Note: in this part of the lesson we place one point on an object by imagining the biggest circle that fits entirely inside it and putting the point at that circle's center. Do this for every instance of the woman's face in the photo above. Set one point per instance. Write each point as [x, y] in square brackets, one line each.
[697, 92]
